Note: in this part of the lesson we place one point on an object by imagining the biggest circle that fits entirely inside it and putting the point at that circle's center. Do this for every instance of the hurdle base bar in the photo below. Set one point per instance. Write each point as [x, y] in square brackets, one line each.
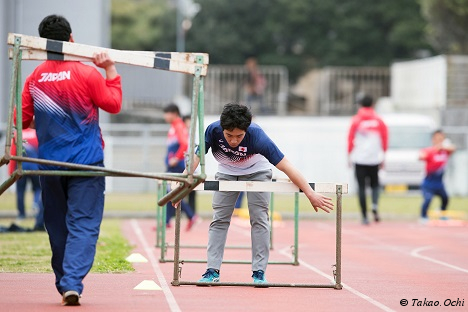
[256, 285]
[204, 246]
[225, 261]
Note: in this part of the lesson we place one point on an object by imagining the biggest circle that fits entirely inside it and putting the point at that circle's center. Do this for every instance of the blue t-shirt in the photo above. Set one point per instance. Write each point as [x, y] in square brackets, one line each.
[255, 152]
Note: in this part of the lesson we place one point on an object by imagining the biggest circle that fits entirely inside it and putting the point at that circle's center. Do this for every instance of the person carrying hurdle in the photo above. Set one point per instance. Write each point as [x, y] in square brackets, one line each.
[436, 158]
[244, 153]
[62, 99]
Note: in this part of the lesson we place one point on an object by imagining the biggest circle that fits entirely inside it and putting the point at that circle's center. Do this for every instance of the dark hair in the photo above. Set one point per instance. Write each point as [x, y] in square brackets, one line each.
[186, 117]
[55, 27]
[171, 108]
[235, 115]
[366, 101]
[437, 131]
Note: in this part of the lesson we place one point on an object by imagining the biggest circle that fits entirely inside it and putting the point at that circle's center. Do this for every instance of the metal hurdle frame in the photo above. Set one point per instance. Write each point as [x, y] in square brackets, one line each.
[161, 233]
[255, 186]
[36, 48]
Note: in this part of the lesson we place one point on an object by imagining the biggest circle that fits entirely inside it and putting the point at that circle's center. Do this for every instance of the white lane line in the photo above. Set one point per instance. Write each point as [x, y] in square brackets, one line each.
[415, 253]
[156, 269]
[287, 252]
[381, 306]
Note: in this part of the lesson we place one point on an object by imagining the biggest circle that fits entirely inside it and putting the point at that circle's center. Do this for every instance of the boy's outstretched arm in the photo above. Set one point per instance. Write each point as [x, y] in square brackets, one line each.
[317, 200]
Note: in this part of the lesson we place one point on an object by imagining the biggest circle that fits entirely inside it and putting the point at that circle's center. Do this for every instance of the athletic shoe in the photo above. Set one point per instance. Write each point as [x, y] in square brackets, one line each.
[365, 221]
[71, 298]
[259, 277]
[210, 276]
[376, 216]
[424, 220]
[195, 220]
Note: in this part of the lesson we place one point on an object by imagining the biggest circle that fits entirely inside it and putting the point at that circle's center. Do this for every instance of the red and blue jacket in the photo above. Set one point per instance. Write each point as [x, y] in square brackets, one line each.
[64, 99]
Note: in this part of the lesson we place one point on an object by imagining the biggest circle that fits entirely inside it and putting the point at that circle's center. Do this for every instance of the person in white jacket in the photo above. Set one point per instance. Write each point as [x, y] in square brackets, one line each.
[367, 144]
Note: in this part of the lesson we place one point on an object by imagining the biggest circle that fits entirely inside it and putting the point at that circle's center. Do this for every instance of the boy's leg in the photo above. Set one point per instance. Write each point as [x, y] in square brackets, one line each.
[259, 220]
[427, 196]
[444, 197]
[373, 172]
[361, 179]
[84, 216]
[223, 206]
[54, 200]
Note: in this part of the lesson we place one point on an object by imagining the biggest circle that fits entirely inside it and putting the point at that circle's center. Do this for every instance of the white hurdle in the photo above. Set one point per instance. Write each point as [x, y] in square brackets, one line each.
[274, 187]
[37, 48]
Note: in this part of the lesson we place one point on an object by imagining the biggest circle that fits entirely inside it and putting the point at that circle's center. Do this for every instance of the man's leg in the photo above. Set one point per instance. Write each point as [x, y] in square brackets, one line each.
[259, 220]
[373, 172]
[84, 216]
[54, 200]
[444, 198]
[427, 196]
[361, 179]
[20, 190]
[223, 206]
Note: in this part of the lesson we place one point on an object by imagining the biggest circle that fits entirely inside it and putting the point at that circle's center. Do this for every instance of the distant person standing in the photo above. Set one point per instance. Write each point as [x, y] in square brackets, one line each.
[255, 86]
[436, 158]
[30, 149]
[177, 144]
[367, 144]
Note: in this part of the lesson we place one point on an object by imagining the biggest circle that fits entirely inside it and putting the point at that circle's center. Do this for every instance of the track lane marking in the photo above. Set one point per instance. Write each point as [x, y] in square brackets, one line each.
[285, 253]
[156, 269]
[345, 286]
[415, 253]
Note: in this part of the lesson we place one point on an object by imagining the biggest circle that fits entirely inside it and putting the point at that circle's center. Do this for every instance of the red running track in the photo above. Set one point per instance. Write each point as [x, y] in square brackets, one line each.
[382, 265]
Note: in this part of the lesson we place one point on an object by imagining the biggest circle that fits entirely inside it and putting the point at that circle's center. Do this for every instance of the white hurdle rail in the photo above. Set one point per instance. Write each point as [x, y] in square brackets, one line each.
[273, 187]
[37, 48]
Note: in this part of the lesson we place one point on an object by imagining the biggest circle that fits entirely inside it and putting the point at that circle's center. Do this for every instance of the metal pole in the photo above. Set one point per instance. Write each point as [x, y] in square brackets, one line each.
[339, 202]
[201, 127]
[13, 89]
[296, 228]
[163, 221]
[175, 281]
[19, 114]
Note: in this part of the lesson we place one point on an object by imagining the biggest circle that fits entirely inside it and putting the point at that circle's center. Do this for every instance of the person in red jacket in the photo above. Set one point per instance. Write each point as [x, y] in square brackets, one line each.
[177, 145]
[367, 144]
[64, 99]
[436, 158]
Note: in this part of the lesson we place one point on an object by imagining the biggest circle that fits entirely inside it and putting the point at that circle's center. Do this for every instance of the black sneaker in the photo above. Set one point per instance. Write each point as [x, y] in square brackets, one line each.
[376, 216]
[71, 298]
[259, 277]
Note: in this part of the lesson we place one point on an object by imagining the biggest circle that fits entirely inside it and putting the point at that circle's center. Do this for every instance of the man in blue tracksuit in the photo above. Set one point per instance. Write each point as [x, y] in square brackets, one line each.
[63, 100]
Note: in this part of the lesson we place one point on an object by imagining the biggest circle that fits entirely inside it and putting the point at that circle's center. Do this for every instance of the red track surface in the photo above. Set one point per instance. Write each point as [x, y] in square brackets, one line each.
[382, 264]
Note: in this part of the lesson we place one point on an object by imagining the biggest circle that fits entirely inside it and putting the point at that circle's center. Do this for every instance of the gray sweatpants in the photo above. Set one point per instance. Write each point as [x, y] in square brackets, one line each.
[223, 207]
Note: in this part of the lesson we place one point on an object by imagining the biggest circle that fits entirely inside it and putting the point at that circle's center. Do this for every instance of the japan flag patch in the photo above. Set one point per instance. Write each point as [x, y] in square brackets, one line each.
[243, 149]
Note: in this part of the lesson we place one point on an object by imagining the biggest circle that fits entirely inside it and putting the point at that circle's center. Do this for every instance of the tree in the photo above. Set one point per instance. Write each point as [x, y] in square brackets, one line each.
[447, 24]
[301, 34]
[143, 25]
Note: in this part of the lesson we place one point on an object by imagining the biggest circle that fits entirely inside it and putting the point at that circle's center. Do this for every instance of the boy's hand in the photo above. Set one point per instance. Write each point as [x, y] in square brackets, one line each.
[320, 201]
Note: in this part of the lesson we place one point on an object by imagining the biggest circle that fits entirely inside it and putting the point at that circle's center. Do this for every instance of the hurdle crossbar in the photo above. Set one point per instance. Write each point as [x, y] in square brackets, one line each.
[258, 186]
[56, 50]
[44, 49]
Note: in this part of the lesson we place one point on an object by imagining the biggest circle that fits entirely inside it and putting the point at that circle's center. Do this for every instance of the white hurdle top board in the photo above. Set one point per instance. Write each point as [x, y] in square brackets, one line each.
[37, 48]
[259, 186]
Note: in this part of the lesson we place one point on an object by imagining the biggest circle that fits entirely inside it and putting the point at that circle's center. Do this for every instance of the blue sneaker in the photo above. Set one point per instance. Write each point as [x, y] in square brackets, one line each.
[259, 277]
[210, 276]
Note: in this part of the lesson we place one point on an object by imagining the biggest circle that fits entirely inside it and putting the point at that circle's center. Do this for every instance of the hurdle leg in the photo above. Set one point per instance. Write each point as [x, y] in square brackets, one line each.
[296, 229]
[159, 220]
[175, 280]
[163, 222]
[339, 202]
